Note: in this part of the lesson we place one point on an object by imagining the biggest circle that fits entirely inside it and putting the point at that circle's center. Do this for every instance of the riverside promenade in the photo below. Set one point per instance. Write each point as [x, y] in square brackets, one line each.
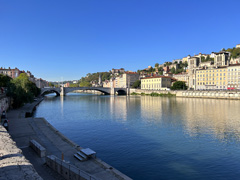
[22, 130]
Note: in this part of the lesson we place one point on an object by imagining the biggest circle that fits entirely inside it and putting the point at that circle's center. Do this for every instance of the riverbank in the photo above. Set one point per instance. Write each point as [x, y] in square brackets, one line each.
[24, 129]
[231, 95]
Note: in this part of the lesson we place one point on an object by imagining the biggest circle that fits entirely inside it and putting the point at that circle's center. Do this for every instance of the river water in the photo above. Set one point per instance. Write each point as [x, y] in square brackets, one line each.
[152, 138]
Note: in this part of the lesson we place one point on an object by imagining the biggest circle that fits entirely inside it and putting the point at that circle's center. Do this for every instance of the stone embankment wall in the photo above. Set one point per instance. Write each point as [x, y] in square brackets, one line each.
[195, 94]
[13, 165]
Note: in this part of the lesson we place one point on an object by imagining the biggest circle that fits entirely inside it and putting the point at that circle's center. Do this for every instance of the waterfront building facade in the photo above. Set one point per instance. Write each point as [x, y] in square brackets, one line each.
[214, 78]
[156, 83]
[233, 72]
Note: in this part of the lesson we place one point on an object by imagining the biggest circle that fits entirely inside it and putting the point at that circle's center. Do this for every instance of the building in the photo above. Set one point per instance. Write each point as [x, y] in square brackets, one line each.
[117, 71]
[233, 72]
[214, 78]
[193, 64]
[177, 61]
[126, 80]
[222, 59]
[13, 73]
[166, 69]
[66, 84]
[156, 83]
[40, 83]
[238, 46]
[182, 77]
[206, 64]
[175, 66]
[106, 84]
[185, 59]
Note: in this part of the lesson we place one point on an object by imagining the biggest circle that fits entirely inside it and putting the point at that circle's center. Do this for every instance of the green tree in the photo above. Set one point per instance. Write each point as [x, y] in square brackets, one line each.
[203, 59]
[22, 90]
[173, 70]
[156, 65]
[136, 84]
[85, 84]
[50, 84]
[150, 69]
[73, 85]
[4, 80]
[179, 85]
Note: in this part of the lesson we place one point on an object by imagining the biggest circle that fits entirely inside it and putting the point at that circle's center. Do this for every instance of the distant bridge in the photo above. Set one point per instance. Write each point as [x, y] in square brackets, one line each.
[64, 90]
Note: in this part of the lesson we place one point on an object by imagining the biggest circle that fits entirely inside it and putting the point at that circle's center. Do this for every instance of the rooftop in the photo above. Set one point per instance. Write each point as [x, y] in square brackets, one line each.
[157, 77]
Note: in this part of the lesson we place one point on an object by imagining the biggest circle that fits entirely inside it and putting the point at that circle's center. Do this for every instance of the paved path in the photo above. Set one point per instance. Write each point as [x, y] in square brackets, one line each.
[13, 165]
[23, 130]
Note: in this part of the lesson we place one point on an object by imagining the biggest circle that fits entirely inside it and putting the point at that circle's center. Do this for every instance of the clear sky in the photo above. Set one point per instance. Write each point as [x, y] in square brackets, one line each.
[64, 40]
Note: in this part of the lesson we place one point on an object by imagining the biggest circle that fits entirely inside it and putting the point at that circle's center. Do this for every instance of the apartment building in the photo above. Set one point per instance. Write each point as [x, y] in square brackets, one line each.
[156, 83]
[233, 79]
[214, 78]
[13, 73]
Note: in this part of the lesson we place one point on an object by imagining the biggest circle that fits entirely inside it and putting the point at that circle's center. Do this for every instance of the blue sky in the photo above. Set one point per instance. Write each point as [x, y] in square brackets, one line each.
[59, 39]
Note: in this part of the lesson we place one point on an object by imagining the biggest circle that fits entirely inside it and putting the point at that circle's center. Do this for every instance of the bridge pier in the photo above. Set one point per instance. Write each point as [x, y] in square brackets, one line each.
[62, 93]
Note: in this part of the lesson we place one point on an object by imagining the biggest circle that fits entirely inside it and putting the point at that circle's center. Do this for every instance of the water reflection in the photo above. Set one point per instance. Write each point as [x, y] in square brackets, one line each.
[150, 137]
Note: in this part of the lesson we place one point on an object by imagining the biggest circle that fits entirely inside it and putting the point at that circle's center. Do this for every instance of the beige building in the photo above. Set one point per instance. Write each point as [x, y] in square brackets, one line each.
[126, 80]
[182, 77]
[214, 78]
[233, 72]
[156, 83]
[107, 84]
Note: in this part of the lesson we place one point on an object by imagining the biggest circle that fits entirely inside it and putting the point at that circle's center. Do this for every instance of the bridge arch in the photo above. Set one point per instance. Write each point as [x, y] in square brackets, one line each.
[68, 90]
[46, 91]
[120, 92]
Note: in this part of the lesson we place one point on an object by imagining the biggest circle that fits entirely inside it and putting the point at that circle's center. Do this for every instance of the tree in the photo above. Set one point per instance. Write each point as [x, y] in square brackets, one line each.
[73, 85]
[136, 84]
[50, 84]
[4, 80]
[22, 90]
[173, 70]
[203, 59]
[85, 84]
[156, 65]
[150, 69]
[179, 85]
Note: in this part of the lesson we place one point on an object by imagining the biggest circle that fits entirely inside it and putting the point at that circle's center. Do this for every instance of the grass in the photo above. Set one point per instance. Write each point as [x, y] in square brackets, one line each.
[155, 94]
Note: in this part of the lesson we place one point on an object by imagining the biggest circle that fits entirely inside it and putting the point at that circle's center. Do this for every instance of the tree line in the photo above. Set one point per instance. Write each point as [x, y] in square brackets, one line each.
[21, 90]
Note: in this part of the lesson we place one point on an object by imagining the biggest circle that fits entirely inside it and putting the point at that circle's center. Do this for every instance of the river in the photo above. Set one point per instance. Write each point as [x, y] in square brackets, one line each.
[152, 138]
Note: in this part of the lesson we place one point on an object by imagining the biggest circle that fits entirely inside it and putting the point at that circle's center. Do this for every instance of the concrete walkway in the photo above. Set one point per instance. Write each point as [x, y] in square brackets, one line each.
[24, 129]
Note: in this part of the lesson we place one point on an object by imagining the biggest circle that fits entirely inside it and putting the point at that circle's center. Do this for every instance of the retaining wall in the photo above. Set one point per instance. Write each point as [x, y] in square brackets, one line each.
[195, 94]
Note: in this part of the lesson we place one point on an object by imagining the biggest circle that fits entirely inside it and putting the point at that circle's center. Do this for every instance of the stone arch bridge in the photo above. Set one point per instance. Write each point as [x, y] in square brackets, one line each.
[64, 90]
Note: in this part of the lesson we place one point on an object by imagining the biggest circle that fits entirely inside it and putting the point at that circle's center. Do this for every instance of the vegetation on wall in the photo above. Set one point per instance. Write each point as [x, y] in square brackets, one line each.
[179, 85]
[137, 84]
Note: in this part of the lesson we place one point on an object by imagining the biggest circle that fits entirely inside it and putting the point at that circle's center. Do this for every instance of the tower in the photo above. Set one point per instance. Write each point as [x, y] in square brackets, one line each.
[100, 80]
